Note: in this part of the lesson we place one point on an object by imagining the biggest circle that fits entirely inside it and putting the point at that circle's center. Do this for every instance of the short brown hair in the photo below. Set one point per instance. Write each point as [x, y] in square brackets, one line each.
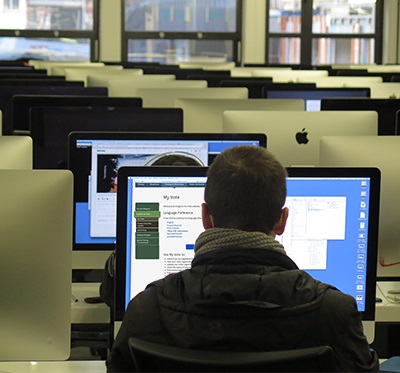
[246, 189]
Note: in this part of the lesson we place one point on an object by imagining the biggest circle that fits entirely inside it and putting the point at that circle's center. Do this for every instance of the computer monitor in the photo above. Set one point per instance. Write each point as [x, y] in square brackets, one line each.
[165, 97]
[60, 70]
[104, 80]
[35, 264]
[256, 85]
[16, 152]
[212, 77]
[205, 115]
[340, 81]
[293, 136]
[331, 234]
[7, 92]
[313, 97]
[382, 90]
[386, 109]
[381, 152]
[50, 127]
[49, 81]
[21, 105]
[95, 157]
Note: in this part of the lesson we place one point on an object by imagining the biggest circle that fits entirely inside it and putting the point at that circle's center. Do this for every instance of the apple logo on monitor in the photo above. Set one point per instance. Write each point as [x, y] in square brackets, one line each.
[301, 136]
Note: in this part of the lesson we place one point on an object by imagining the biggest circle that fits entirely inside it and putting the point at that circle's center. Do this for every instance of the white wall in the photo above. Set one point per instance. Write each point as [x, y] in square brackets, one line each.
[390, 32]
[253, 35]
[110, 30]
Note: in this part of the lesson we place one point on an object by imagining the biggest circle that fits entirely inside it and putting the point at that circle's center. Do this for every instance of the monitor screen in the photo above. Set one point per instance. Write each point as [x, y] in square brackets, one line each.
[313, 97]
[7, 92]
[50, 127]
[333, 226]
[21, 105]
[386, 109]
[94, 159]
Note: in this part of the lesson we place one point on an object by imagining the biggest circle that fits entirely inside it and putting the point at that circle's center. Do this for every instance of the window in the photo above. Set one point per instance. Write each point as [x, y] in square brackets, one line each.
[170, 31]
[53, 30]
[11, 4]
[324, 32]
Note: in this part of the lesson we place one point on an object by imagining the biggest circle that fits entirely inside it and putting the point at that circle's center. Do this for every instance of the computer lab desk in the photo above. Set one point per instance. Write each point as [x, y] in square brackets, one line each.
[95, 366]
[388, 310]
[87, 313]
[99, 313]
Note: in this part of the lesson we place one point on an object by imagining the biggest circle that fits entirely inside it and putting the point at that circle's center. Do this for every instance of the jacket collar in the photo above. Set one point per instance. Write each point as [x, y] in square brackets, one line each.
[240, 256]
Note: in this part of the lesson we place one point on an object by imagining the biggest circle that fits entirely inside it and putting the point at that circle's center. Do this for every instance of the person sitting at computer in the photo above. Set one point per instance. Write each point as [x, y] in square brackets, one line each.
[242, 292]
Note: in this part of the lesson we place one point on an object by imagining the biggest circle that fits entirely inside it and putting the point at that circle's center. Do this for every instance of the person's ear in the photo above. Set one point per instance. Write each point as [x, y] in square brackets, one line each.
[281, 224]
[206, 217]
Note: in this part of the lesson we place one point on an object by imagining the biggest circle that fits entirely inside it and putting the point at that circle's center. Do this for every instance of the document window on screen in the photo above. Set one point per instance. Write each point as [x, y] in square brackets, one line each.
[107, 158]
[327, 230]
[164, 217]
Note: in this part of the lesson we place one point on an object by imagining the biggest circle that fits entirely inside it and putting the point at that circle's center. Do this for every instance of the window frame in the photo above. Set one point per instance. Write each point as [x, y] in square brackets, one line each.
[235, 37]
[92, 35]
[307, 37]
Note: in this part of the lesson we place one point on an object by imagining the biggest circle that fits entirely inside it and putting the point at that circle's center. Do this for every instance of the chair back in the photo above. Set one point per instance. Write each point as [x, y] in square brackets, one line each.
[152, 357]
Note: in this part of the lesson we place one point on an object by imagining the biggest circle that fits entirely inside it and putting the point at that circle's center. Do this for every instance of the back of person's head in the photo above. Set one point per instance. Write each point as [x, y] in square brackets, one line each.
[175, 159]
[246, 189]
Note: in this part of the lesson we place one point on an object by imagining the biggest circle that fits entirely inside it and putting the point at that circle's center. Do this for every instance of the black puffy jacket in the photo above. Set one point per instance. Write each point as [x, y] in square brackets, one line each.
[245, 300]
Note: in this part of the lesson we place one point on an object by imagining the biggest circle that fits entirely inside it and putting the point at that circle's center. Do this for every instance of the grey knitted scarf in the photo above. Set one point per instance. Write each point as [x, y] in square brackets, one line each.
[217, 238]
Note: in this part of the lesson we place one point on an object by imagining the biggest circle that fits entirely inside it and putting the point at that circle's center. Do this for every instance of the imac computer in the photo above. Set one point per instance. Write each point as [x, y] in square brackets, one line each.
[331, 234]
[165, 97]
[7, 92]
[386, 109]
[205, 115]
[21, 105]
[50, 127]
[95, 157]
[16, 152]
[256, 85]
[381, 152]
[294, 136]
[81, 73]
[104, 81]
[35, 264]
[118, 88]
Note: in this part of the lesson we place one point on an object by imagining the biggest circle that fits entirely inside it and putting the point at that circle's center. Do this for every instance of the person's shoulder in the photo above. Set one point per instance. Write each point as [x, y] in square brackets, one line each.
[335, 301]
